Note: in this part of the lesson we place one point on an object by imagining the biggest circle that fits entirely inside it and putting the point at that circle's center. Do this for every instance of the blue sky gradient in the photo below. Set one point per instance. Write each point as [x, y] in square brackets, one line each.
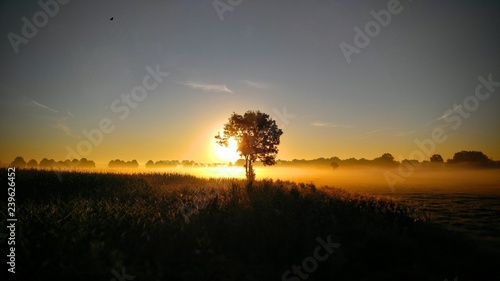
[277, 56]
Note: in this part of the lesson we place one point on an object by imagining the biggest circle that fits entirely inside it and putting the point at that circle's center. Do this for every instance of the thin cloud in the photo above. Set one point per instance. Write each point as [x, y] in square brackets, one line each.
[62, 125]
[329, 125]
[216, 88]
[319, 124]
[39, 105]
[255, 84]
[65, 129]
[446, 114]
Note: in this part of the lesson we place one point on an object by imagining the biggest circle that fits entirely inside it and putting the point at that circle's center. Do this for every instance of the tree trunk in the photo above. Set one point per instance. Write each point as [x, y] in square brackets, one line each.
[249, 169]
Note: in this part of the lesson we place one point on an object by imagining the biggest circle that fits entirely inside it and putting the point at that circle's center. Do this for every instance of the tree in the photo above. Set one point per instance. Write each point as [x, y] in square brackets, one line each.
[32, 164]
[474, 158]
[436, 158]
[385, 159]
[46, 163]
[334, 165]
[257, 136]
[18, 162]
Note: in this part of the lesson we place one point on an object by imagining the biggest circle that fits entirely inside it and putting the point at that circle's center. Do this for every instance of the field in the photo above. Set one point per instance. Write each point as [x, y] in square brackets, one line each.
[166, 226]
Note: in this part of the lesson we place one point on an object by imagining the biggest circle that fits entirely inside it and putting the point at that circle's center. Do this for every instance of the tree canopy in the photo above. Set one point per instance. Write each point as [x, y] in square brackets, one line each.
[257, 136]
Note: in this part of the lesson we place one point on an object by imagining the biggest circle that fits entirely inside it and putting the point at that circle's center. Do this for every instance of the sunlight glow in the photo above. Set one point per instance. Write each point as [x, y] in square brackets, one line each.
[229, 153]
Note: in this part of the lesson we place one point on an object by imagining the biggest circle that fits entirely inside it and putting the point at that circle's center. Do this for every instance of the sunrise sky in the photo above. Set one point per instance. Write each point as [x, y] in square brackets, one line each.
[281, 57]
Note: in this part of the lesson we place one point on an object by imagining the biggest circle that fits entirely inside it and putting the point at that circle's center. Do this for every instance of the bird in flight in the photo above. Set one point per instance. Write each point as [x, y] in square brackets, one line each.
[111, 18]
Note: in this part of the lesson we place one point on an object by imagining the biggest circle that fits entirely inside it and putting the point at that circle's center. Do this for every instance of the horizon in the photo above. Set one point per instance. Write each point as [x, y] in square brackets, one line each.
[160, 80]
[143, 162]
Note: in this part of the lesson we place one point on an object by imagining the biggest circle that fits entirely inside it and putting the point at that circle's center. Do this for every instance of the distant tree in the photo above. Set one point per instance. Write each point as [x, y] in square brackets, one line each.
[240, 163]
[18, 162]
[350, 161]
[32, 164]
[117, 163]
[133, 164]
[122, 164]
[436, 158]
[150, 164]
[410, 162]
[46, 163]
[475, 158]
[385, 159]
[334, 165]
[84, 163]
[257, 136]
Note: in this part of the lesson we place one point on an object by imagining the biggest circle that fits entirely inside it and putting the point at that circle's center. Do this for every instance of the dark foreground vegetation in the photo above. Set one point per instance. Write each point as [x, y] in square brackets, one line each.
[92, 226]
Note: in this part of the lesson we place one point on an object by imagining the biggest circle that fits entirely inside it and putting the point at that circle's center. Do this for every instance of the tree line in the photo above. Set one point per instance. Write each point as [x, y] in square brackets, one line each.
[51, 163]
[462, 158]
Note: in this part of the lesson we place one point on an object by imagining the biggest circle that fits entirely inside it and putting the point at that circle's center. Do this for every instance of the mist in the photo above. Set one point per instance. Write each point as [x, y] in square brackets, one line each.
[358, 179]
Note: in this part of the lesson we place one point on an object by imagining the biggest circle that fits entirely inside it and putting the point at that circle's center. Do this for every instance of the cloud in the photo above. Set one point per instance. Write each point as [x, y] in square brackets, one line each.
[329, 125]
[39, 105]
[255, 84]
[319, 124]
[65, 129]
[447, 113]
[61, 124]
[222, 88]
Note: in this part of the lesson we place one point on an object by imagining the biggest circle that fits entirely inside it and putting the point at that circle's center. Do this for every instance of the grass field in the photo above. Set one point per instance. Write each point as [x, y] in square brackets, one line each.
[178, 227]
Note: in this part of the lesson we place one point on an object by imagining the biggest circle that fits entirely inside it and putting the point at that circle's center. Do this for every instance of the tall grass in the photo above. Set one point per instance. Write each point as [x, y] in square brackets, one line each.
[181, 227]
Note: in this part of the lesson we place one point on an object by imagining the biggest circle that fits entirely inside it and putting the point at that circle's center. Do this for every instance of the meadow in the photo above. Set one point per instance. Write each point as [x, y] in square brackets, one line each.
[170, 226]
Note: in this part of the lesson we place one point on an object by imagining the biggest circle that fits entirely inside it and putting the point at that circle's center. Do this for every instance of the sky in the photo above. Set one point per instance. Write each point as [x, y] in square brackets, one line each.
[340, 78]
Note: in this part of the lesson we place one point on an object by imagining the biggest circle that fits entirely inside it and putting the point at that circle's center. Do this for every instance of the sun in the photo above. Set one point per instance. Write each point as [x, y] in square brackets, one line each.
[229, 153]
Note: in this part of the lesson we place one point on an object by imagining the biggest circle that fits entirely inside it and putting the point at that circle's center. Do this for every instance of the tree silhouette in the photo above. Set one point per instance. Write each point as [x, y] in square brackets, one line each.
[257, 136]
[385, 159]
[436, 158]
[334, 165]
[32, 164]
[18, 162]
[474, 158]
[150, 164]
[122, 164]
[46, 163]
